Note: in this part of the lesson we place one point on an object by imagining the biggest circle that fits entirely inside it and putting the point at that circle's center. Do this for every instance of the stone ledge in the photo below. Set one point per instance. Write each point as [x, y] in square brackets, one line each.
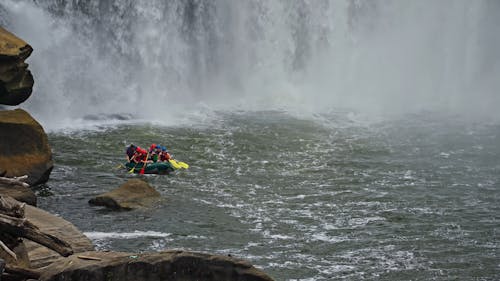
[166, 265]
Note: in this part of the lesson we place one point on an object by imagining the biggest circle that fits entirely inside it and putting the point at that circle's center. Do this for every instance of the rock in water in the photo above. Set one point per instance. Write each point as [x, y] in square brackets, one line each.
[16, 81]
[24, 147]
[133, 194]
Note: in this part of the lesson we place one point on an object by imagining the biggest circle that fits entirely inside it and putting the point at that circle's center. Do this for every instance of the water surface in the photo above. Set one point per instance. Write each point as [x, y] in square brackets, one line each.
[329, 198]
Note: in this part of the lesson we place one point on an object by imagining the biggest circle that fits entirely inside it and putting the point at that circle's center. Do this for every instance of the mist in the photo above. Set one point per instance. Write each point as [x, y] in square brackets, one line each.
[162, 59]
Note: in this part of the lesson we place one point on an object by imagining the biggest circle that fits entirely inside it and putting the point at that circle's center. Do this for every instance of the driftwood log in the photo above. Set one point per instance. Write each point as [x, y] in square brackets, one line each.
[14, 225]
[23, 228]
[15, 181]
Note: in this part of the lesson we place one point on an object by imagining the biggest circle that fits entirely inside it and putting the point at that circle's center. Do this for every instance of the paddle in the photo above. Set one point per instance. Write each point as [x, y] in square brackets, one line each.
[120, 166]
[174, 164]
[145, 164]
[132, 170]
[178, 165]
[183, 165]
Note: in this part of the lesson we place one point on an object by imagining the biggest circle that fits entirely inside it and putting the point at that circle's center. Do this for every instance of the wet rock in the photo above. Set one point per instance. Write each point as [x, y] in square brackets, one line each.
[24, 147]
[167, 265]
[16, 81]
[133, 194]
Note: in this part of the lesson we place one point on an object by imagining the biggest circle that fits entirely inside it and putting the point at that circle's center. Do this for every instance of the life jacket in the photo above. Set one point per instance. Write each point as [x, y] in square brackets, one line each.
[139, 157]
[165, 156]
[136, 157]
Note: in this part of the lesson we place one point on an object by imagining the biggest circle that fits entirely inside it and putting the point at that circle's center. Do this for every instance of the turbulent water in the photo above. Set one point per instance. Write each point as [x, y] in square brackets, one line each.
[328, 140]
[413, 199]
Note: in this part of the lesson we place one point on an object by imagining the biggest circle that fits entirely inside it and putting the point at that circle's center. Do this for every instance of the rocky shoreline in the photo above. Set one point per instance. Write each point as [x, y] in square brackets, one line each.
[36, 245]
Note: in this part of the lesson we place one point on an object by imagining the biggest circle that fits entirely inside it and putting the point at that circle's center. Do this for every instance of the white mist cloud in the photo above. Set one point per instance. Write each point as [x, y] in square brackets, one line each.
[161, 59]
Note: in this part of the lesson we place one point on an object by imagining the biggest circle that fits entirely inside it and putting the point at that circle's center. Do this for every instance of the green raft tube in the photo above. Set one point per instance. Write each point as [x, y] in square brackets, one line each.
[161, 168]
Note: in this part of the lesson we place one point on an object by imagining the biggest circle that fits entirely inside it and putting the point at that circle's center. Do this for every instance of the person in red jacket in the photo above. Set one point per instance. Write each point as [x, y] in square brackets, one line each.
[136, 155]
[140, 156]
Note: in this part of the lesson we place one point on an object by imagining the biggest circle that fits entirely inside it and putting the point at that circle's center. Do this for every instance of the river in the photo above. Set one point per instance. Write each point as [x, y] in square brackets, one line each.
[330, 198]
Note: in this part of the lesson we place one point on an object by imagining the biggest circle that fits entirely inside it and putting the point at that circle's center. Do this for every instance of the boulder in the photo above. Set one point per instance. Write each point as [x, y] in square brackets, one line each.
[24, 147]
[133, 194]
[16, 81]
[166, 265]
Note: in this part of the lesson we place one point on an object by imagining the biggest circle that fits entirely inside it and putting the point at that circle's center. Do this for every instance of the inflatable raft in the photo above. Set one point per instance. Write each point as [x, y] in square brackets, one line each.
[161, 168]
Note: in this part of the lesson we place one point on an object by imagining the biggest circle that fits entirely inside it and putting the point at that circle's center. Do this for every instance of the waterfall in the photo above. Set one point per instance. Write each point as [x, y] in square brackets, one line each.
[158, 59]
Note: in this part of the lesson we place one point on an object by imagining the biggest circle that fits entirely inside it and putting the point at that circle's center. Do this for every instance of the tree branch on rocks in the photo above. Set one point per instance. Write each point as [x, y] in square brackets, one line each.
[7, 250]
[15, 181]
[11, 207]
[23, 228]
[14, 224]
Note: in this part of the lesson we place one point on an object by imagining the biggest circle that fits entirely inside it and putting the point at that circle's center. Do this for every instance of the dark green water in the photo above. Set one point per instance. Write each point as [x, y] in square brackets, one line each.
[329, 199]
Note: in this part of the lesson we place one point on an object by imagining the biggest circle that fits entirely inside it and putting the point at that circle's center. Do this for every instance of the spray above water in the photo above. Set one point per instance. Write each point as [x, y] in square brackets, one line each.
[163, 60]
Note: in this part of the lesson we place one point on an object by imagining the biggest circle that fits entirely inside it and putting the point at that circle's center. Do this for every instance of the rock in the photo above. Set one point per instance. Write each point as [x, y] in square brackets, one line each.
[24, 147]
[20, 193]
[40, 256]
[167, 265]
[133, 194]
[16, 81]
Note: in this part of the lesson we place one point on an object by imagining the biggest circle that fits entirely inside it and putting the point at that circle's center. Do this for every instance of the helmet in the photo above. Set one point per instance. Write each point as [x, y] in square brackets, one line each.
[138, 149]
[163, 148]
[153, 146]
[144, 151]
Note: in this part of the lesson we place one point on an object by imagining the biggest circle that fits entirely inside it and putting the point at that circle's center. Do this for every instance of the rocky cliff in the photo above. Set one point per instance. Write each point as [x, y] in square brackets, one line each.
[16, 81]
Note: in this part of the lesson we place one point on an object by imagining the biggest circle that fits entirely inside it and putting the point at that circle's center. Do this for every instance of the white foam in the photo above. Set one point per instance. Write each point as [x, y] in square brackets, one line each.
[322, 236]
[125, 235]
